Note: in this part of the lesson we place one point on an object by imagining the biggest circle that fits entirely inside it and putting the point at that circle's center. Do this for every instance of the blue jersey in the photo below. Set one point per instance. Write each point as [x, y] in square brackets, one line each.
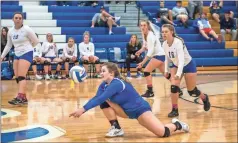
[121, 93]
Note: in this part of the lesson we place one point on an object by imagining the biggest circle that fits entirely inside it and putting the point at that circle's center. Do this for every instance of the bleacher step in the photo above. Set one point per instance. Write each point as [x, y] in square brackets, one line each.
[123, 8]
[30, 3]
[232, 44]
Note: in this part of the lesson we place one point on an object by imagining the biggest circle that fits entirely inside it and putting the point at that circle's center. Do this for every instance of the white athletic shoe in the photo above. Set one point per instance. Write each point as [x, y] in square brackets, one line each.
[47, 77]
[114, 132]
[117, 19]
[185, 126]
[38, 77]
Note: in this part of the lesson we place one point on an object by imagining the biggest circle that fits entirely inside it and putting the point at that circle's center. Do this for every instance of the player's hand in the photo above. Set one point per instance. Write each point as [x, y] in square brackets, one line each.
[92, 26]
[77, 113]
[228, 30]
[1, 59]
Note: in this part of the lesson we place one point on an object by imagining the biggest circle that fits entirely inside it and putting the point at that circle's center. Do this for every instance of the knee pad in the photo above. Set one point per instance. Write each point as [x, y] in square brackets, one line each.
[59, 63]
[46, 62]
[17, 80]
[104, 105]
[67, 60]
[20, 78]
[195, 92]
[166, 132]
[34, 62]
[146, 74]
[97, 61]
[168, 76]
[85, 62]
[174, 89]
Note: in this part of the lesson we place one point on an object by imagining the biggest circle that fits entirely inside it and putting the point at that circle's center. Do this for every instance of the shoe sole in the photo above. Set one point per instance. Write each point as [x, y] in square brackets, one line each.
[114, 136]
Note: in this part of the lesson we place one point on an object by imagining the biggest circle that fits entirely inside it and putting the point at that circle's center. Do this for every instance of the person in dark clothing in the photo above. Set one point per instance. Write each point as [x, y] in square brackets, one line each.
[4, 39]
[165, 15]
[228, 25]
[132, 47]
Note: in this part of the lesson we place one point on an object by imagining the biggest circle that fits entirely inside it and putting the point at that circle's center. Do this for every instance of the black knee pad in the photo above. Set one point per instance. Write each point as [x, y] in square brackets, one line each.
[46, 62]
[168, 76]
[166, 132]
[20, 78]
[146, 74]
[67, 60]
[17, 80]
[174, 89]
[97, 61]
[104, 105]
[34, 62]
[85, 62]
[195, 92]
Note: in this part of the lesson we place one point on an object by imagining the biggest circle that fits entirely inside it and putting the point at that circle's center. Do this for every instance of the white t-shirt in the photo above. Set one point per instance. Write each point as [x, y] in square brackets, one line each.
[153, 45]
[70, 52]
[22, 39]
[49, 49]
[86, 49]
[37, 52]
[178, 54]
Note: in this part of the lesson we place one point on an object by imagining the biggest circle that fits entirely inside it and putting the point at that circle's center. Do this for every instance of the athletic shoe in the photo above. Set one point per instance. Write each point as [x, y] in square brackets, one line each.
[173, 113]
[114, 132]
[38, 77]
[206, 104]
[148, 94]
[47, 77]
[185, 127]
[17, 101]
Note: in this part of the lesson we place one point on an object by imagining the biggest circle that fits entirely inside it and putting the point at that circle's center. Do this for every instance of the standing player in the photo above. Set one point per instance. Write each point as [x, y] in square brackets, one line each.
[37, 57]
[69, 54]
[117, 97]
[182, 63]
[23, 38]
[155, 52]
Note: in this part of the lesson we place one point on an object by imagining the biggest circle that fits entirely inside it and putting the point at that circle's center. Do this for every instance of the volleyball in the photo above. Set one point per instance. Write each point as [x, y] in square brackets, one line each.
[78, 74]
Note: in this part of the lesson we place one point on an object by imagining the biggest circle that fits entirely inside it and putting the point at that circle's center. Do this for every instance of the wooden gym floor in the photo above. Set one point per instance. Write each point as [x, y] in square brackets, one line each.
[50, 103]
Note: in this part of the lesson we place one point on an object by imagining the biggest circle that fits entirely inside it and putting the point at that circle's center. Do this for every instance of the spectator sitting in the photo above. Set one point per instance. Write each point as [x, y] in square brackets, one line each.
[86, 50]
[50, 53]
[104, 19]
[180, 13]
[164, 14]
[37, 57]
[70, 54]
[227, 25]
[132, 47]
[194, 5]
[205, 28]
[4, 40]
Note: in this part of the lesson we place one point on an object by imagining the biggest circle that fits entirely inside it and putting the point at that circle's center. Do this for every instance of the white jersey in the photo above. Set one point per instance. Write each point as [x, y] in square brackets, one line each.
[49, 49]
[22, 39]
[86, 49]
[153, 45]
[37, 52]
[70, 52]
[178, 54]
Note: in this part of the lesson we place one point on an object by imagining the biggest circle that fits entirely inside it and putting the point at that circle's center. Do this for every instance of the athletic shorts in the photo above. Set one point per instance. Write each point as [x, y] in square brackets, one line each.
[207, 30]
[135, 113]
[27, 56]
[189, 68]
[160, 58]
[51, 58]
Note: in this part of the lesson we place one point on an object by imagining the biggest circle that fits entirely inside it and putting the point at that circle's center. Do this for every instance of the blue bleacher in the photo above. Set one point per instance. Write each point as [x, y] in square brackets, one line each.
[71, 9]
[93, 31]
[9, 15]
[75, 23]
[11, 8]
[103, 38]
[74, 16]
